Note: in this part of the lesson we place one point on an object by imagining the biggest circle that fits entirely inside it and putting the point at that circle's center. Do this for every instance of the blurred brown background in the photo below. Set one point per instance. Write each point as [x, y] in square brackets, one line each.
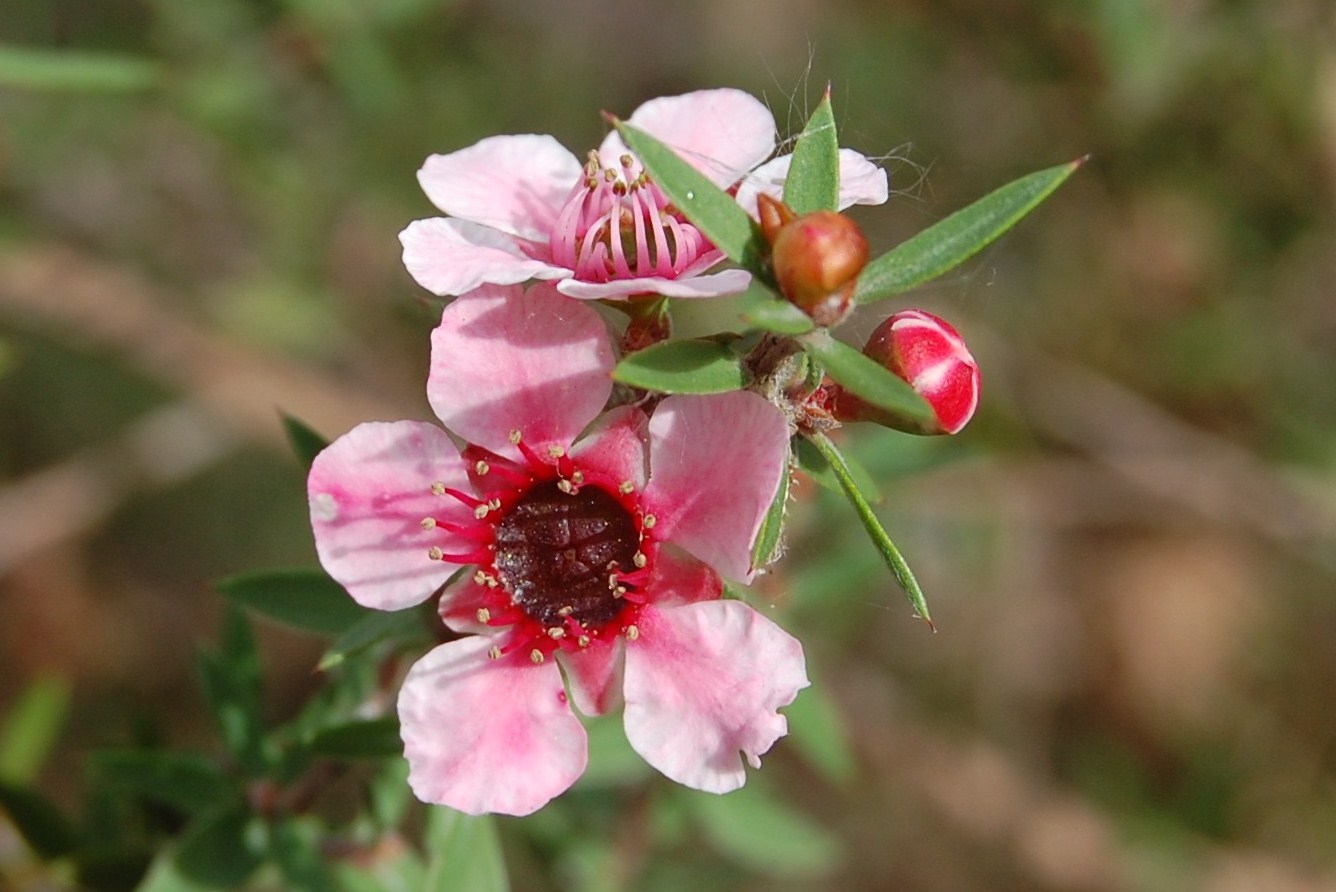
[1130, 554]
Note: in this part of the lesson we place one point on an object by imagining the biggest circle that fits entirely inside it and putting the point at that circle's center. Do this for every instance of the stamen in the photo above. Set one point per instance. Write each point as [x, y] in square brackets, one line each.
[640, 560]
[556, 633]
[647, 522]
[438, 488]
[484, 615]
[632, 633]
[583, 641]
[536, 656]
[626, 487]
[481, 468]
[435, 554]
[428, 523]
[494, 653]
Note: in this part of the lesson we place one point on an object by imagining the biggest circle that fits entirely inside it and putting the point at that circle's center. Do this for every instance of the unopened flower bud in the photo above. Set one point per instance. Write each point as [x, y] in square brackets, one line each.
[817, 258]
[931, 356]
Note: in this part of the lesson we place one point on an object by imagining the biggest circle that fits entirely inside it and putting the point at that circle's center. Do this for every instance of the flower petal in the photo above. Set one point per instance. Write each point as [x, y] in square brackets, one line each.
[861, 181]
[722, 133]
[729, 281]
[593, 673]
[459, 603]
[484, 735]
[617, 446]
[516, 184]
[703, 683]
[454, 256]
[507, 359]
[679, 578]
[369, 491]
[715, 464]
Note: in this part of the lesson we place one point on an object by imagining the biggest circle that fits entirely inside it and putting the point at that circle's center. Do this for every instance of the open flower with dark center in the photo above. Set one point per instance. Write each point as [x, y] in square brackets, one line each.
[523, 207]
[598, 555]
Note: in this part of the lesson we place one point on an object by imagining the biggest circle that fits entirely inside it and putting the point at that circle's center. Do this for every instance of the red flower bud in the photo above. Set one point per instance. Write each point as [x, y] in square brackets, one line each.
[931, 356]
[817, 258]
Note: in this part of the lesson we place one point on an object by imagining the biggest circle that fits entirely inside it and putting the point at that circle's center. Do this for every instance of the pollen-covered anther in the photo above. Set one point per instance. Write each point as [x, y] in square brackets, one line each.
[619, 592]
[484, 615]
[566, 611]
[555, 451]
[566, 486]
[626, 160]
[438, 488]
[648, 521]
[556, 633]
[626, 487]
[536, 655]
[428, 523]
[578, 478]
[583, 641]
[480, 512]
[494, 653]
[632, 633]
[514, 438]
[612, 582]
[435, 553]
[481, 468]
[640, 560]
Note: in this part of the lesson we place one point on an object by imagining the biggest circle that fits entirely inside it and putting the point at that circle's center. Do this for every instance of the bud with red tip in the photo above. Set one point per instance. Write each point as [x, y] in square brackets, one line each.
[816, 258]
[931, 356]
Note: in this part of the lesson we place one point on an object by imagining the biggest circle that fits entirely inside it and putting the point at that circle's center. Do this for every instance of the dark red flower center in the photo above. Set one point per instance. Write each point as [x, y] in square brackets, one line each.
[559, 554]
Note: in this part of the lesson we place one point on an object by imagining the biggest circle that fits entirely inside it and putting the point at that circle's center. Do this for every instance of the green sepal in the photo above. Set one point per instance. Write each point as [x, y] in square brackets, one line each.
[305, 598]
[867, 379]
[950, 242]
[876, 532]
[362, 739]
[813, 182]
[713, 211]
[686, 366]
[305, 442]
[465, 853]
[769, 545]
[41, 824]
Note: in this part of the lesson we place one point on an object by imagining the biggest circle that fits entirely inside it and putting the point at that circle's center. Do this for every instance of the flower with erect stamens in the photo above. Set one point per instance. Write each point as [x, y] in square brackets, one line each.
[597, 557]
[523, 207]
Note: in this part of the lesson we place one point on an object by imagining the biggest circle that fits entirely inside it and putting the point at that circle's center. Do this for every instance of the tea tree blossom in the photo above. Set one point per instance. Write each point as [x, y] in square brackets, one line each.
[523, 207]
[599, 557]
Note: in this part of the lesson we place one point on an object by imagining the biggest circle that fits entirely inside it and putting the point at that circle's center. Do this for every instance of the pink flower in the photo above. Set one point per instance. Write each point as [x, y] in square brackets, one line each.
[523, 207]
[597, 556]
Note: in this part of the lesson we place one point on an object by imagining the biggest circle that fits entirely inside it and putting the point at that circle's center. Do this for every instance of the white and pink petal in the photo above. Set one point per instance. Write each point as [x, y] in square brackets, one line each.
[516, 184]
[616, 447]
[594, 674]
[369, 491]
[488, 736]
[715, 466]
[704, 683]
[720, 284]
[448, 256]
[861, 181]
[507, 359]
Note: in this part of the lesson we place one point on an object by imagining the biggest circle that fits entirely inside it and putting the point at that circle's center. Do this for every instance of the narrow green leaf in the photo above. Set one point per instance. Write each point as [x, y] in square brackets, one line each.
[217, 852]
[950, 242]
[295, 846]
[769, 538]
[778, 316]
[307, 599]
[364, 739]
[813, 183]
[305, 442]
[65, 70]
[187, 781]
[464, 852]
[232, 686]
[876, 532]
[763, 833]
[683, 367]
[818, 730]
[814, 465]
[31, 727]
[48, 833]
[866, 379]
[374, 627]
[710, 208]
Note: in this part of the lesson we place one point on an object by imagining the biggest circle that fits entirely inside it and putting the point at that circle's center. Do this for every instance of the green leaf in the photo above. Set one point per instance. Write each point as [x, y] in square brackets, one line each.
[232, 686]
[363, 739]
[305, 442]
[217, 852]
[765, 834]
[814, 465]
[187, 781]
[769, 547]
[683, 367]
[374, 627]
[295, 846]
[48, 833]
[778, 316]
[306, 599]
[813, 183]
[950, 242]
[31, 727]
[710, 208]
[885, 547]
[867, 379]
[464, 852]
[60, 70]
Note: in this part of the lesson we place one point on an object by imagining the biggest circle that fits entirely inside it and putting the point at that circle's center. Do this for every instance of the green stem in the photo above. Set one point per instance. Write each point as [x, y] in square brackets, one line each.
[889, 553]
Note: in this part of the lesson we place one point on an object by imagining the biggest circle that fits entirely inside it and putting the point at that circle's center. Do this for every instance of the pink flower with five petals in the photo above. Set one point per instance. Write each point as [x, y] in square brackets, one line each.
[599, 556]
[523, 207]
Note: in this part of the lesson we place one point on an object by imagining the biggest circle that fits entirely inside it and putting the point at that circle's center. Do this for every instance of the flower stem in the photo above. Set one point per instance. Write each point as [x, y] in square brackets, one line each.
[889, 553]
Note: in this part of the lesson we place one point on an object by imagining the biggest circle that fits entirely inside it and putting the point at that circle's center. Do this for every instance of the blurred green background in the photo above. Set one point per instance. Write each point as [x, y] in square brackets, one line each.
[1130, 554]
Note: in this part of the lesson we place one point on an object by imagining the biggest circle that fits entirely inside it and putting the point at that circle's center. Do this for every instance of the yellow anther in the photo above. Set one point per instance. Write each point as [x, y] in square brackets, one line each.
[438, 488]
[632, 633]
[428, 523]
[536, 655]
[484, 615]
[480, 512]
[514, 438]
[494, 653]
[578, 478]
[555, 451]
[640, 560]
[556, 633]
[566, 611]
[583, 641]
[435, 553]
[481, 468]
[480, 577]
[626, 487]
[648, 521]
[566, 487]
